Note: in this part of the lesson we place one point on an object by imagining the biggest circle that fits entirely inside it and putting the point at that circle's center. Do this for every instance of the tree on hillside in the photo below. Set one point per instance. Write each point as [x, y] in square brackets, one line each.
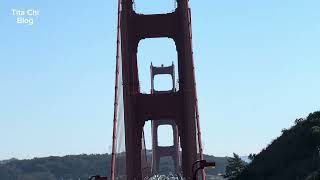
[252, 156]
[294, 155]
[235, 166]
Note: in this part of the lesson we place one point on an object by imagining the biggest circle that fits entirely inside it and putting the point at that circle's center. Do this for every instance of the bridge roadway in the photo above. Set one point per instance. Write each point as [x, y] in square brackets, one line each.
[165, 177]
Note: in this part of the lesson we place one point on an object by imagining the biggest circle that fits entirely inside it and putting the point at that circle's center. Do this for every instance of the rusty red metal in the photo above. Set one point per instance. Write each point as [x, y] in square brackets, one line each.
[113, 158]
[180, 106]
[161, 151]
[195, 94]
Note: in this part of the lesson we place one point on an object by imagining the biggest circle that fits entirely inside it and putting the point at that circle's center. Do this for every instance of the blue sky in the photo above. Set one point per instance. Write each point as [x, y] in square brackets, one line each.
[257, 68]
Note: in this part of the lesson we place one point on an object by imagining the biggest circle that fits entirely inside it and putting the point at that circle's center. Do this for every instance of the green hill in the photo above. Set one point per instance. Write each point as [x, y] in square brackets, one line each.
[292, 156]
[71, 167]
[54, 168]
[295, 155]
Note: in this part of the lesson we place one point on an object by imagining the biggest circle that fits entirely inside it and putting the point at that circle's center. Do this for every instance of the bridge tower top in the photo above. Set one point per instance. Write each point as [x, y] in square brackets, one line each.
[169, 70]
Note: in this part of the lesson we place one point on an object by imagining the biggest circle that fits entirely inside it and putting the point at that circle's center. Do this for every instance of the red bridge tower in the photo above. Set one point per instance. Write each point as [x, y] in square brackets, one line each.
[133, 108]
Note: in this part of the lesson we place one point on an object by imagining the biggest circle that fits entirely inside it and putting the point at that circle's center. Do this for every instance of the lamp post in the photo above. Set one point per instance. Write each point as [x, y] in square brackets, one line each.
[202, 164]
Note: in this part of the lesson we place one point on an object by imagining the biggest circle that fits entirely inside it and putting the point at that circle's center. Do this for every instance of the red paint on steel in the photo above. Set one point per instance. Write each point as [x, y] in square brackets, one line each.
[140, 107]
[195, 91]
[114, 145]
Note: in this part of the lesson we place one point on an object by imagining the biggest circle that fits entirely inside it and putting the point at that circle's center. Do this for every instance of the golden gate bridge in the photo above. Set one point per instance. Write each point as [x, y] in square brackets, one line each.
[132, 108]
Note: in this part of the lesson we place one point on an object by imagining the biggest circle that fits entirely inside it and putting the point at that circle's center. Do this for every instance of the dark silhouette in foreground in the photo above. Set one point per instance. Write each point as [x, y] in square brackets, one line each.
[294, 155]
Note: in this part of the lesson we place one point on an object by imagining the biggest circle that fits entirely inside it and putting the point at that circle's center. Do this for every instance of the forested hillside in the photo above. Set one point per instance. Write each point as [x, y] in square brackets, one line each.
[52, 168]
[71, 167]
[292, 156]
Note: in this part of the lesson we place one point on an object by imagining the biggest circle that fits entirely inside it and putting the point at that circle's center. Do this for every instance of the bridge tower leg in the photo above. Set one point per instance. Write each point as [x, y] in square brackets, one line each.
[164, 151]
[180, 106]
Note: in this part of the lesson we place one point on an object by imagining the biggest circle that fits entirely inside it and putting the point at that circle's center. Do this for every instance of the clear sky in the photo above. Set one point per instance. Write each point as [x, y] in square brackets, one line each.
[257, 65]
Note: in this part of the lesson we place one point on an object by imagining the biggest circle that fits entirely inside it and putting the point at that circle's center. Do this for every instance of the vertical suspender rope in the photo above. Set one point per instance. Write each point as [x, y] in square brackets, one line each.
[115, 111]
[195, 92]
